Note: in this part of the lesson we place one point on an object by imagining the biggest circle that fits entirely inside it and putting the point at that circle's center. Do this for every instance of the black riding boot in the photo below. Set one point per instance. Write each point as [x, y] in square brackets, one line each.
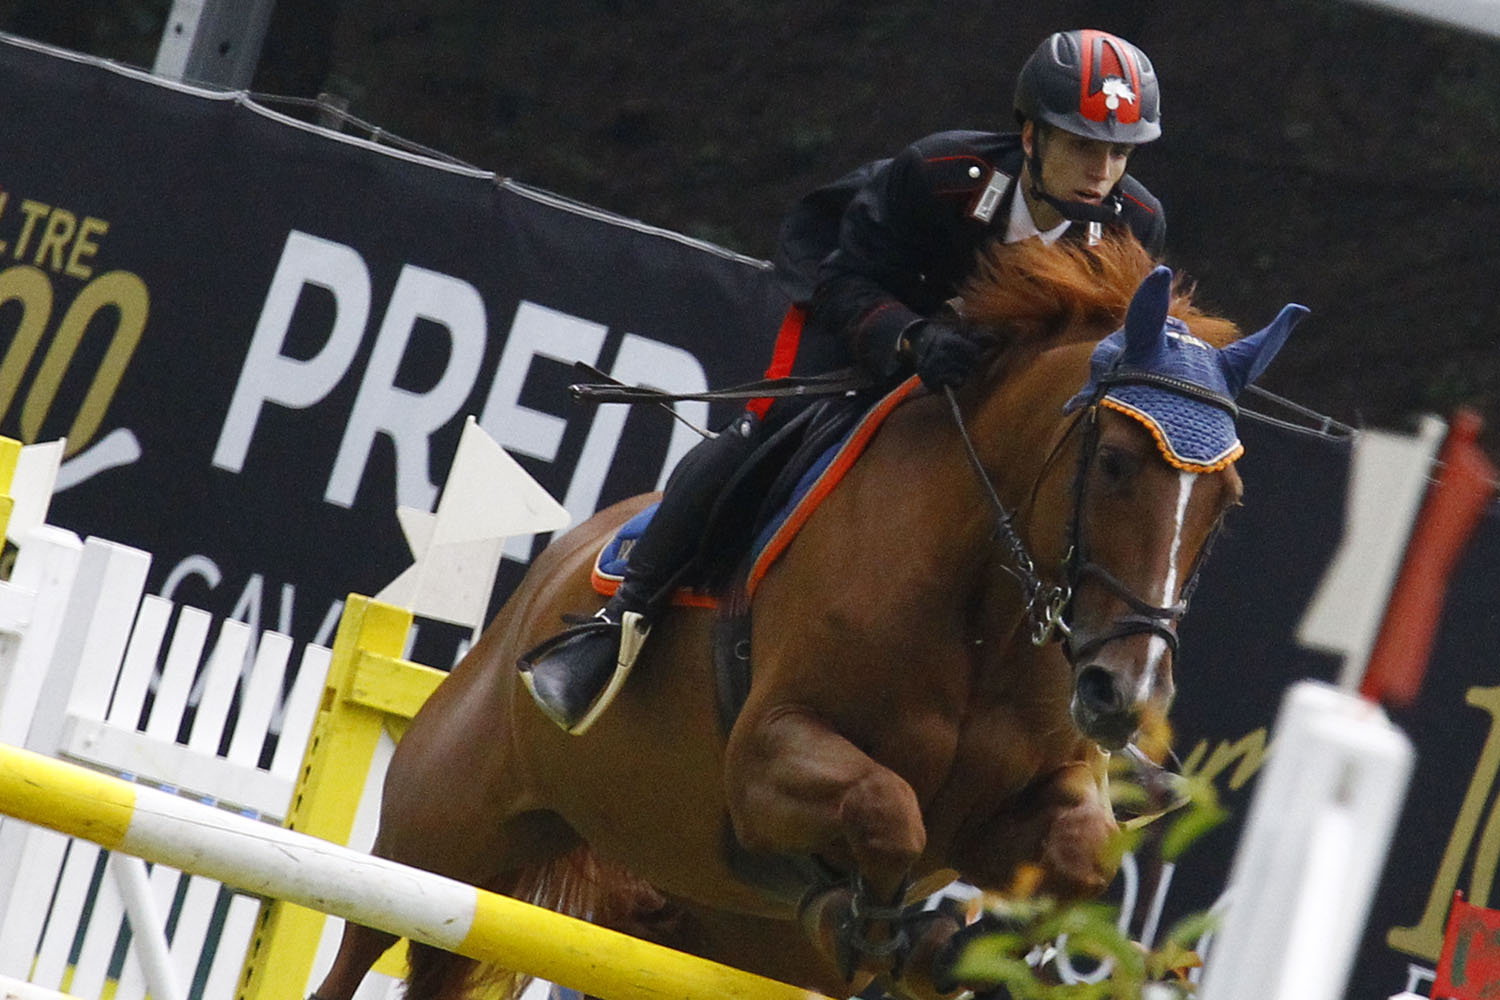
[576, 674]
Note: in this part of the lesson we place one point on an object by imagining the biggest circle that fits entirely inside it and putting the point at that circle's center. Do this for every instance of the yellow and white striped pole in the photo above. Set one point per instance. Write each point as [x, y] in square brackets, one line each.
[274, 862]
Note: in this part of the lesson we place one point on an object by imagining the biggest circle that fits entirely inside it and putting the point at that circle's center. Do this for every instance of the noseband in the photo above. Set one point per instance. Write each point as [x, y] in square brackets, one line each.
[1048, 605]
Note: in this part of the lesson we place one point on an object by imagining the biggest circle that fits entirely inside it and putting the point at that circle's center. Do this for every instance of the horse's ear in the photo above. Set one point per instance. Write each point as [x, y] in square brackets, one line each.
[1246, 359]
[1147, 316]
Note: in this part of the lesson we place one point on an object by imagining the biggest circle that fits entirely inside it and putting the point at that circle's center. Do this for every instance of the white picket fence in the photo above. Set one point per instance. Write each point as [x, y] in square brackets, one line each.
[94, 671]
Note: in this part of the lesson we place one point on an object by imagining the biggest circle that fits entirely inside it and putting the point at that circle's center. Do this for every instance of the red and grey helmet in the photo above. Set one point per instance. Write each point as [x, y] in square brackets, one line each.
[1093, 84]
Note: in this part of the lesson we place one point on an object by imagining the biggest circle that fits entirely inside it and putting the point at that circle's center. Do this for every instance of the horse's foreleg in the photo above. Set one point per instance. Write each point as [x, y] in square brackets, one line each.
[1063, 827]
[1076, 859]
[797, 787]
[359, 949]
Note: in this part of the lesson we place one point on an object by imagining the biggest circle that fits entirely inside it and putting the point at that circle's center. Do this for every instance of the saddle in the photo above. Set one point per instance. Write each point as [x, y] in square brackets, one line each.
[782, 483]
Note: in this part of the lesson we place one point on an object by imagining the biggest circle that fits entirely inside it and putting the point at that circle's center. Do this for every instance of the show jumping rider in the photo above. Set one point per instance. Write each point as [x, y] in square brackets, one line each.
[874, 259]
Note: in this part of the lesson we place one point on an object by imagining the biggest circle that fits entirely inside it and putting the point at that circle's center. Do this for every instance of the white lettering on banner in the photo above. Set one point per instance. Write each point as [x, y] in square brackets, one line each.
[269, 376]
[252, 601]
[250, 606]
[411, 418]
[199, 566]
[640, 362]
[324, 635]
[536, 331]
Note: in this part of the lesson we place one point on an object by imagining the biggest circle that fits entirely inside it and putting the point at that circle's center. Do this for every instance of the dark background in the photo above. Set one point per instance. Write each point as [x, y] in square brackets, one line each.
[1319, 151]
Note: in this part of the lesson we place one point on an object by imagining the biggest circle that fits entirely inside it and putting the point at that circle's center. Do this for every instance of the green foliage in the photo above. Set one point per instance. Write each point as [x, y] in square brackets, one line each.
[1090, 930]
[1201, 814]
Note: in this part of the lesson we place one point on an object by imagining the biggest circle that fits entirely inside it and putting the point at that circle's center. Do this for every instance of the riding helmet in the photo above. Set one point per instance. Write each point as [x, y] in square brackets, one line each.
[1093, 84]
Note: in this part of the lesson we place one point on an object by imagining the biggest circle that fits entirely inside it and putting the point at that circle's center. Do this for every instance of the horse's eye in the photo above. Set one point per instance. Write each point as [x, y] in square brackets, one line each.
[1117, 465]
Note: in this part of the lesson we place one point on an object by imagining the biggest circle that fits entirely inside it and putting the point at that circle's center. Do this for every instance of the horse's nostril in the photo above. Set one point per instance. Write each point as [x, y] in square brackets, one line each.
[1097, 691]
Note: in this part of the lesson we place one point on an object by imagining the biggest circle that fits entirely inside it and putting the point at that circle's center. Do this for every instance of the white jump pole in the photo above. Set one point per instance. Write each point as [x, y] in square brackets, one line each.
[275, 862]
[1312, 850]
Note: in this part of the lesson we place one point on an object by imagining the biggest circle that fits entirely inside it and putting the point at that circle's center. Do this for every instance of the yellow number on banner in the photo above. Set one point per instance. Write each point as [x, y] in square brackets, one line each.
[33, 290]
[123, 291]
[127, 293]
[1425, 938]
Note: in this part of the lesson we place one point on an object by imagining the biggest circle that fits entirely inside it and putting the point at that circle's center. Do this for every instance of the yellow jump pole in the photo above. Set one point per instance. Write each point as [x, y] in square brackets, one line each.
[326, 799]
[10, 454]
[275, 862]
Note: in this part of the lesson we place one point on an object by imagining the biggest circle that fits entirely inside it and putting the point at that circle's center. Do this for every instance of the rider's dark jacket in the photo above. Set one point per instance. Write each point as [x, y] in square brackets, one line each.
[892, 241]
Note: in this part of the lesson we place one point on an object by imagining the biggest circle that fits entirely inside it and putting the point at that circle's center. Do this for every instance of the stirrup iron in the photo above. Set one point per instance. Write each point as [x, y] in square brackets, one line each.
[633, 631]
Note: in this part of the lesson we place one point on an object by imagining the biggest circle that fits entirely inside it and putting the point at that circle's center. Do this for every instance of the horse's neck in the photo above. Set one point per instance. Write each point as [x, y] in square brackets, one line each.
[1022, 437]
[1018, 427]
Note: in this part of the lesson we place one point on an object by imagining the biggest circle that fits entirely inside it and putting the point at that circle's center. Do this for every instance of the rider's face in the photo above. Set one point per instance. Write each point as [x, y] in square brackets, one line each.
[1075, 168]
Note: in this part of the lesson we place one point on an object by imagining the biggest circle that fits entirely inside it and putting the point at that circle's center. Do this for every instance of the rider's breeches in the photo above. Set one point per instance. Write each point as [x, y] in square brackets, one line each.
[672, 537]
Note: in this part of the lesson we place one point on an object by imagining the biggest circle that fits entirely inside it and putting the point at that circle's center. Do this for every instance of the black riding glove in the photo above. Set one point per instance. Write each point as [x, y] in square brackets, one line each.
[942, 354]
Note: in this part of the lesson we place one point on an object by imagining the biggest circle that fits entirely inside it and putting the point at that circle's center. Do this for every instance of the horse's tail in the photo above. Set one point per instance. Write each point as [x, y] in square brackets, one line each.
[579, 884]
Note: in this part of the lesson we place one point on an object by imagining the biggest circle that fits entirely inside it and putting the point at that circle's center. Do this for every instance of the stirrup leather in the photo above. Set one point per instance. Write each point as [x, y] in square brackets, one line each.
[633, 631]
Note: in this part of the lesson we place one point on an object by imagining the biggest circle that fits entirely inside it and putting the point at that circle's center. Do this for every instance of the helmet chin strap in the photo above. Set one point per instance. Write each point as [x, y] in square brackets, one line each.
[1074, 211]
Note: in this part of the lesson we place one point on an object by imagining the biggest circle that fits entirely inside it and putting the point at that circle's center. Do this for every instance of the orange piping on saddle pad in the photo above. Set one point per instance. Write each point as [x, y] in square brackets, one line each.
[606, 584]
[783, 356]
[830, 478]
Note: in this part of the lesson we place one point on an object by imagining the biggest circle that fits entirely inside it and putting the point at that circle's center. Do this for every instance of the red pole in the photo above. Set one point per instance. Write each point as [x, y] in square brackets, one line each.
[1449, 515]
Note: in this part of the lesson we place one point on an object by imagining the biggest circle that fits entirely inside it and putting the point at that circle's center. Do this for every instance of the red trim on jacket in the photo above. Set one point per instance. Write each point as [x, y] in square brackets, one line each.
[783, 355]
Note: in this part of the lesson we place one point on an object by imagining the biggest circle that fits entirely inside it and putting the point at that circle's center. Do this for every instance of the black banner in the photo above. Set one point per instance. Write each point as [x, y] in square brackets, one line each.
[260, 338]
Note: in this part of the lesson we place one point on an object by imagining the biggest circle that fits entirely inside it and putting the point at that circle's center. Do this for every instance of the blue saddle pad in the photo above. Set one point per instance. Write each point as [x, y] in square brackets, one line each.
[814, 484]
[610, 564]
[612, 559]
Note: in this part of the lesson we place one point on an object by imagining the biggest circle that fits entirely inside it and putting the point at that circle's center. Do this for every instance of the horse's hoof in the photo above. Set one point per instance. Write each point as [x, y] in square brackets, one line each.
[944, 963]
[840, 922]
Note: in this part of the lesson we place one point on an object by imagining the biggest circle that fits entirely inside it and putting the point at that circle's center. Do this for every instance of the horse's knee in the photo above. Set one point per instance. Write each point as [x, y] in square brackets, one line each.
[1080, 829]
[1077, 861]
[882, 821]
[796, 785]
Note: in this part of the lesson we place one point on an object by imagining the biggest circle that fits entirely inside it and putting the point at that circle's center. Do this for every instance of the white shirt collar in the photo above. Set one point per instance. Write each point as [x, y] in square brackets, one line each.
[1021, 225]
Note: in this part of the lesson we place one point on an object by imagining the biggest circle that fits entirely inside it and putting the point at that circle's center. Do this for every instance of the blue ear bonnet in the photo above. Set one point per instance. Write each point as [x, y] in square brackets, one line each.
[1181, 388]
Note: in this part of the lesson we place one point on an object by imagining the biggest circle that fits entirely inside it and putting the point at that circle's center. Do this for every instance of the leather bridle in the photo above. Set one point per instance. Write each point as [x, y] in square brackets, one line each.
[1048, 604]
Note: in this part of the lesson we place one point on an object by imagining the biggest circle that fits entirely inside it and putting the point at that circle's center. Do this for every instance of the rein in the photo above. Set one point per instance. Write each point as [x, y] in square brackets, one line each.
[1047, 604]
[839, 382]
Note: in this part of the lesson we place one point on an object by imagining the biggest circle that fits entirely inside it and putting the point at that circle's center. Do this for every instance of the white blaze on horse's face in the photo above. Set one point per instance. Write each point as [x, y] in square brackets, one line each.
[1142, 526]
[1156, 656]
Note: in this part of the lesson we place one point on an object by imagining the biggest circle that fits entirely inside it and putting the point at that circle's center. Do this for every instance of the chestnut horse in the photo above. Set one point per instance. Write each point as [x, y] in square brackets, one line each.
[942, 659]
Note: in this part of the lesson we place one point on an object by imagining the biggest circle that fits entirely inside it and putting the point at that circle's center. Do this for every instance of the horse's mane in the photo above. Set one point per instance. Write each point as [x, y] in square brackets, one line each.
[1029, 293]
